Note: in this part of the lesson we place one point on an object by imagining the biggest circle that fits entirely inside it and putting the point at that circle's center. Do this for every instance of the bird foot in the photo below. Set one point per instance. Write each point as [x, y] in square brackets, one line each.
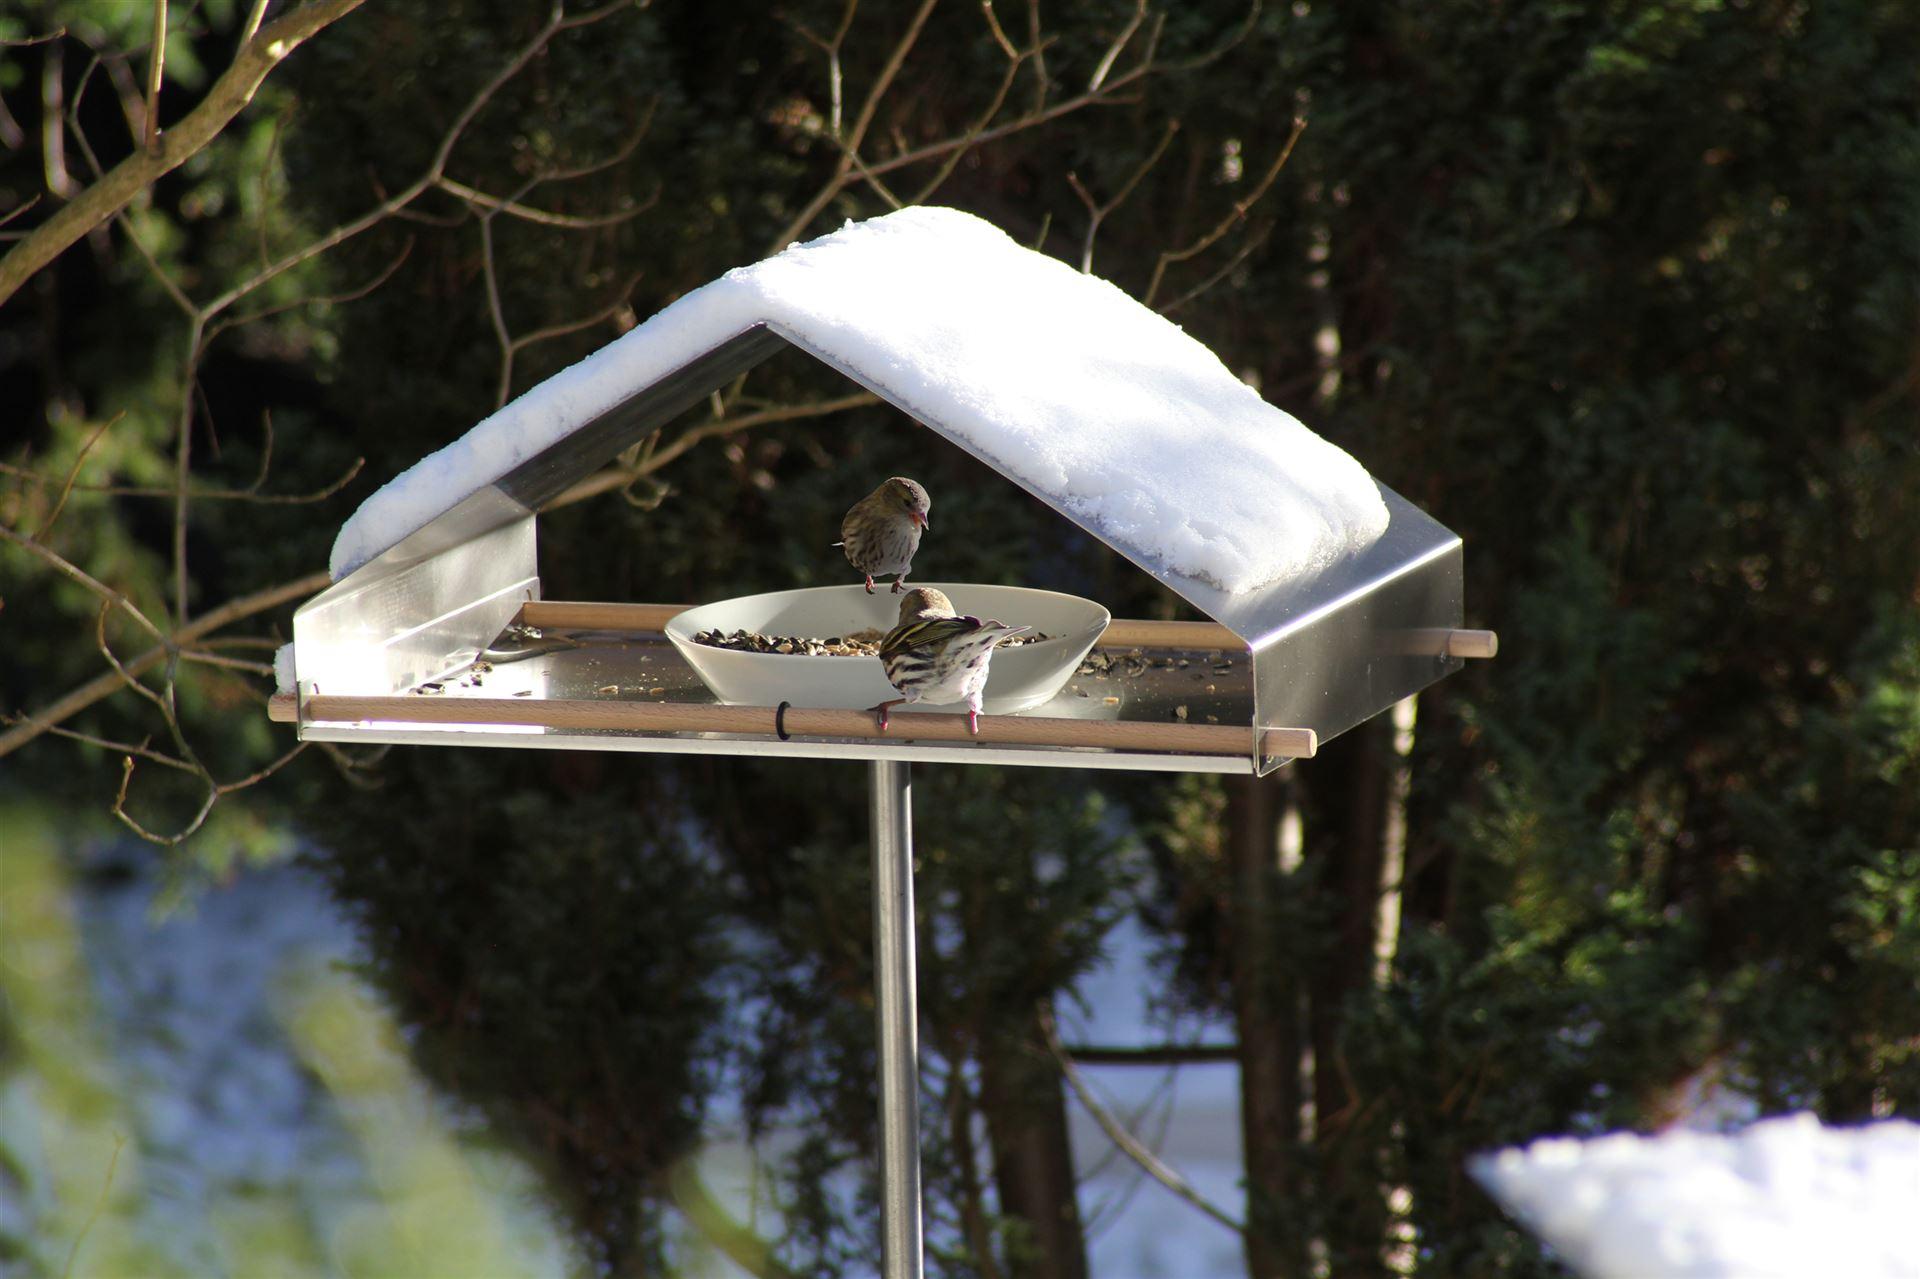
[880, 712]
[869, 583]
[899, 584]
[973, 721]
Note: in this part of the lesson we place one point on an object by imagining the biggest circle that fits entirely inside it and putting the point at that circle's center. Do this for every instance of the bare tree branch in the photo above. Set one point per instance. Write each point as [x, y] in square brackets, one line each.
[1125, 1140]
[216, 791]
[1247, 249]
[231, 93]
[1097, 213]
[248, 494]
[73, 473]
[79, 699]
[73, 571]
[847, 172]
[545, 217]
[620, 477]
[1113, 52]
[1233, 218]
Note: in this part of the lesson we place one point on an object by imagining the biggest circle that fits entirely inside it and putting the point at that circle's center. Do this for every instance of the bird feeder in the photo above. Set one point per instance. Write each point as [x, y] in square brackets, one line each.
[1054, 379]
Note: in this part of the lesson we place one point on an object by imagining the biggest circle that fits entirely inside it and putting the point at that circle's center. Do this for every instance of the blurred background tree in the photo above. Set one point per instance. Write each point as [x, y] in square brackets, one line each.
[1627, 294]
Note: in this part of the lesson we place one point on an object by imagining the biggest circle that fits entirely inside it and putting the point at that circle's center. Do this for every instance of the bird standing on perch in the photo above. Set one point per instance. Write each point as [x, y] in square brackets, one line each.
[934, 655]
[882, 531]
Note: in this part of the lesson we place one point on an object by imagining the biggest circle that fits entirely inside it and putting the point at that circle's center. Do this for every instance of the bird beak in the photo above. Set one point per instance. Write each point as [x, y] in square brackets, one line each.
[919, 519]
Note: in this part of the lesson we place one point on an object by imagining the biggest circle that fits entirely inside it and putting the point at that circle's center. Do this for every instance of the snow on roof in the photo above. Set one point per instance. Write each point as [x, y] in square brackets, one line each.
[1785, 1198]
[1059, 379]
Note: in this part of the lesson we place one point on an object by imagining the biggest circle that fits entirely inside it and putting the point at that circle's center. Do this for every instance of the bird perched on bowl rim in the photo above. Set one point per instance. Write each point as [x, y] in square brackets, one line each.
[936, 655]
[882, 530]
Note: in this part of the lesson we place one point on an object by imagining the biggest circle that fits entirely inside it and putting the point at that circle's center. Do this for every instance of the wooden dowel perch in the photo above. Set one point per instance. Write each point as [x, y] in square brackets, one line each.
[677, 717]
[1472, 643]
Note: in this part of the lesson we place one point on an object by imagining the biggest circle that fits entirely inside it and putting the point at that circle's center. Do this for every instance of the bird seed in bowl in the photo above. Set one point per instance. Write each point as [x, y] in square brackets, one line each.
[854, 644]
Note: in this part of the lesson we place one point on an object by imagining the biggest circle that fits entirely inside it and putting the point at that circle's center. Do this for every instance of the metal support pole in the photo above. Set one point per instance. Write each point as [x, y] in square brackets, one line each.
[899, 1023]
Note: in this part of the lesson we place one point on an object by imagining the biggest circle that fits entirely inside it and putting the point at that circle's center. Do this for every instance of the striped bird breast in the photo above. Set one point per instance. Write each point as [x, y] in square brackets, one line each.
[884, 546]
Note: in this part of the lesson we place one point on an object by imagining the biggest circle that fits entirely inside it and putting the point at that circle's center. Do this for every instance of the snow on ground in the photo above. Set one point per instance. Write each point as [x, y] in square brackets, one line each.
[228, 1124]
[1189, 1116]
[1059, 378]
[225, 1114]
[1784, 1199]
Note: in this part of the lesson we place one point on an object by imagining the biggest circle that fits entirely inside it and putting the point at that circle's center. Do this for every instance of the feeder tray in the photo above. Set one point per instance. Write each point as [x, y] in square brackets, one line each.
[427, 637]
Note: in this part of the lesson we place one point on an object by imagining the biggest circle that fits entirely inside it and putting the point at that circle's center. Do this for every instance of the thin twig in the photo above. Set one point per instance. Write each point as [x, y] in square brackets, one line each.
[1125, 1140]
[252, 26]
[11, 214]
[226, 663]
[1097, 213]
[1120, 42]
[615, 478]
[182, 465]
[936, 150]
[162, 702]
[227, 323]
[545, 217]
[68, 568]
[980, 126]
[141, 749]
[850, 140]
[100, 1205]
[1233, 218]
[998, 32]
[73, 473]
[216, 791]
[156, 65]
[436, 167]
[202, 495]
[173, 290]
[1247, 249]
[1225, 46]
[27, 42]
[78, 699]
[513, 346]
[263, 194]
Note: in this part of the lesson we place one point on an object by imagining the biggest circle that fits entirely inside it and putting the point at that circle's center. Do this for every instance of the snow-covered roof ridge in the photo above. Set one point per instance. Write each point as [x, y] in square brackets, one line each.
[1059, 379]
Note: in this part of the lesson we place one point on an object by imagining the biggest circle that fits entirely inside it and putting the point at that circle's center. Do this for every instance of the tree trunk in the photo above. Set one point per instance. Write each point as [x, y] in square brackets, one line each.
[1266, 1006]
[1025, 1103]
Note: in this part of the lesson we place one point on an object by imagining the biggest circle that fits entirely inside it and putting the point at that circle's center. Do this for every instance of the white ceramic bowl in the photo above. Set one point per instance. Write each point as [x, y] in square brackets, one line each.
[1020, 677]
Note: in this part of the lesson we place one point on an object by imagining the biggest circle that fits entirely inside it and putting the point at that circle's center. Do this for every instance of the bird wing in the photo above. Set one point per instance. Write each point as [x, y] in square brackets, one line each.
[928, 632]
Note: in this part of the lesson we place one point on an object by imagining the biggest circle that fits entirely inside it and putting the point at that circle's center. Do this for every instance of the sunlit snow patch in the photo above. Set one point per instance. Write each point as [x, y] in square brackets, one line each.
[1784, 1199]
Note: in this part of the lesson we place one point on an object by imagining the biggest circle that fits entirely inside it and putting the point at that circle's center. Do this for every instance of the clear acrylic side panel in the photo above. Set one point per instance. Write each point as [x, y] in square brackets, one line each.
[394, 625]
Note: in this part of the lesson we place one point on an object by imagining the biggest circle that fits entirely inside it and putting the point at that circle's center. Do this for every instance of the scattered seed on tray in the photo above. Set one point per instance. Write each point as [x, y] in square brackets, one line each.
[854, 644]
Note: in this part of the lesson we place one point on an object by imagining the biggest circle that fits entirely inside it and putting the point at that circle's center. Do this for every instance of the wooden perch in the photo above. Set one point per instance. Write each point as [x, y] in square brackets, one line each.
[1472, 643]
[684, 717]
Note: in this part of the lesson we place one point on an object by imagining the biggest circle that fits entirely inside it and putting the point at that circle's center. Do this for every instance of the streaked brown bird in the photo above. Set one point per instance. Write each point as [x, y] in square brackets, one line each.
[882, 531]
[935, 655]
